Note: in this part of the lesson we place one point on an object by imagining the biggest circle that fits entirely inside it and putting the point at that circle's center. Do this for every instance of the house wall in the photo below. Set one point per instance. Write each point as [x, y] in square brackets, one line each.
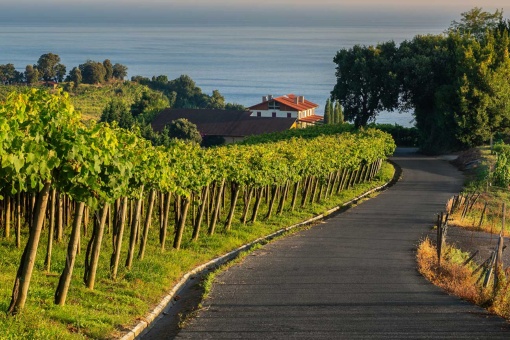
[279, 113]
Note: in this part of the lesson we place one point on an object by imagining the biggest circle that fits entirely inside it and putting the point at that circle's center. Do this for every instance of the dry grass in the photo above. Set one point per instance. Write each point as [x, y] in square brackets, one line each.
[458, 279]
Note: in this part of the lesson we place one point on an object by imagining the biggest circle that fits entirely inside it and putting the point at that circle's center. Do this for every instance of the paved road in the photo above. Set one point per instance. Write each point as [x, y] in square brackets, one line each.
[351, 277]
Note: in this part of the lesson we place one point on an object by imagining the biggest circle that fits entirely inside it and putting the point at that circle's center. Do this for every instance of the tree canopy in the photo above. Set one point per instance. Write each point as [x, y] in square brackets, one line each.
[366, 82]
[457, 83]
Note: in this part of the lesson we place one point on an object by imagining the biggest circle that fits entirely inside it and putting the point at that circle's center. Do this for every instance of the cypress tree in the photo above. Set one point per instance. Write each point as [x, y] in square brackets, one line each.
[327, 112]
[338, 114]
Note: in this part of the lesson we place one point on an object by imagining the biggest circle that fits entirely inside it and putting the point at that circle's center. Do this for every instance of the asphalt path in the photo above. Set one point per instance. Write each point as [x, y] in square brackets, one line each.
[352, 277]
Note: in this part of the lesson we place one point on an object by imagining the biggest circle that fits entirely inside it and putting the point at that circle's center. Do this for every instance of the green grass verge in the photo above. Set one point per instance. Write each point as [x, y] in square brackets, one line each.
[114, 306]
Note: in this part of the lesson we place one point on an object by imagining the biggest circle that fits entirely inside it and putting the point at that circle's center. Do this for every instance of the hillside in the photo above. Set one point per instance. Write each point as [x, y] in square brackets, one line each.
[91, 99]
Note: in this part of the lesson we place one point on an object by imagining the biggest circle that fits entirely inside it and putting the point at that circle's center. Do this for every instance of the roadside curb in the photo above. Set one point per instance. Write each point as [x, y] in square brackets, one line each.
[218, 261]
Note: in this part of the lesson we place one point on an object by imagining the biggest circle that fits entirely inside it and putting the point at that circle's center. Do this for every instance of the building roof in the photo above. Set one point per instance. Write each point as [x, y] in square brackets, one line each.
[223, 122]
[311, 119]
[298, 103]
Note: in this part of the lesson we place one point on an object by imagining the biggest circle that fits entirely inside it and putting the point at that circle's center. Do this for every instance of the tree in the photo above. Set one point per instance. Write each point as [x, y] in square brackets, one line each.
[217, 101]
[327, 112]
[148, 105]
[109, 69]
[119, 71]
[75, 76]
[338, 114]
[118, 111]
[366, 81]
[7, 73]
[235, 107]
[92, 72]
[185, 130]
[476, 22]
[31, 74]
[60, 72]
[48, 64]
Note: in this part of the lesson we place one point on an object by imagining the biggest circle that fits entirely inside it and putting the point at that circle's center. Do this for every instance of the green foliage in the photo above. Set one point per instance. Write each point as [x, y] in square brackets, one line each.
[407, 137]
[185, 130]
[456, 84]
[92, 72]
[327, 112]
[476, 22]
[366, 81]
[50, 68]
[338, 113]
[182, 92]
[119, 71]
[501, 174]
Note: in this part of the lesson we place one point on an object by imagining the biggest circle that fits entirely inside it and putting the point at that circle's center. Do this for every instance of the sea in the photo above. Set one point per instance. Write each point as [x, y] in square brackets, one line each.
[243, 62]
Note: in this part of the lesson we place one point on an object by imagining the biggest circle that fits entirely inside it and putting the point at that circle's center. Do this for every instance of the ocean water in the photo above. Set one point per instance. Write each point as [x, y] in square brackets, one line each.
[243, 63]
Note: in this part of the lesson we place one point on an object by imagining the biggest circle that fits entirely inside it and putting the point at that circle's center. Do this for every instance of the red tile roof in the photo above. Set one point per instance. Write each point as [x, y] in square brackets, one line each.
[291, 100]
[311, 119]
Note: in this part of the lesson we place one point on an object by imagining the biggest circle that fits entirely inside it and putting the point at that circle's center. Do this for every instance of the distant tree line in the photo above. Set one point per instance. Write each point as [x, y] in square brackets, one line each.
[49, 68]
[457, 83]
[182, 92]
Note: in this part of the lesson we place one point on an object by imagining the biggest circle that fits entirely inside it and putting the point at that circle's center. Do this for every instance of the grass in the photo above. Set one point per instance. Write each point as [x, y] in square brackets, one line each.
[114, 306]
[458, 278]
[455, 275]
[477, 183]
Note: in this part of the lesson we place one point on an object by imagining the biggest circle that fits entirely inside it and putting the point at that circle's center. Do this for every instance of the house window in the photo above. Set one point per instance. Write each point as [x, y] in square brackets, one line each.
[289, 115]
[274, 114]
[274, 105]
[259, 114]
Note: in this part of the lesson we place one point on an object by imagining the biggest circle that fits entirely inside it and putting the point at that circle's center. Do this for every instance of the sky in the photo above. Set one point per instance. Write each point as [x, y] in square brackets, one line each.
[300, 12]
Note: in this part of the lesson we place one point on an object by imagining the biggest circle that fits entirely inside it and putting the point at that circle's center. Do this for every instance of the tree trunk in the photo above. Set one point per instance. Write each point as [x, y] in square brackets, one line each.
[258, 200]
[117, 237]
[134, 231]
[51, 232]
[92, 258]
[147, 225]
[294, 196]
[163, 230]
[182, 222]
[217, 208]
[233, 201]
[306, 191]
[201, 210]
[25, 269]
[314, 191]
[18, 220]
[274, 194]
[283, 198]
[60, 217]
[72, 248]
[247, 200]
[7, 230]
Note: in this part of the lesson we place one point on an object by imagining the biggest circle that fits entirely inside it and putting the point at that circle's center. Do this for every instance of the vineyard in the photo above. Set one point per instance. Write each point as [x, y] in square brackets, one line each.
[93, 192]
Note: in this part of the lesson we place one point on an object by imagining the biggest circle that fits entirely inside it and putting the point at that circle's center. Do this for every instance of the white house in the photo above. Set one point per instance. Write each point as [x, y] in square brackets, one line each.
[288, 106]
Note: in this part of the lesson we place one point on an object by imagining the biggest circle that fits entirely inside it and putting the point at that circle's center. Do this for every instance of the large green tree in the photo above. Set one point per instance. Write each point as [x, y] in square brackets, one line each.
[119, 71]
[31, 74]
[50, 68]
[366, 81]
[92, 72]
[8, 73]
